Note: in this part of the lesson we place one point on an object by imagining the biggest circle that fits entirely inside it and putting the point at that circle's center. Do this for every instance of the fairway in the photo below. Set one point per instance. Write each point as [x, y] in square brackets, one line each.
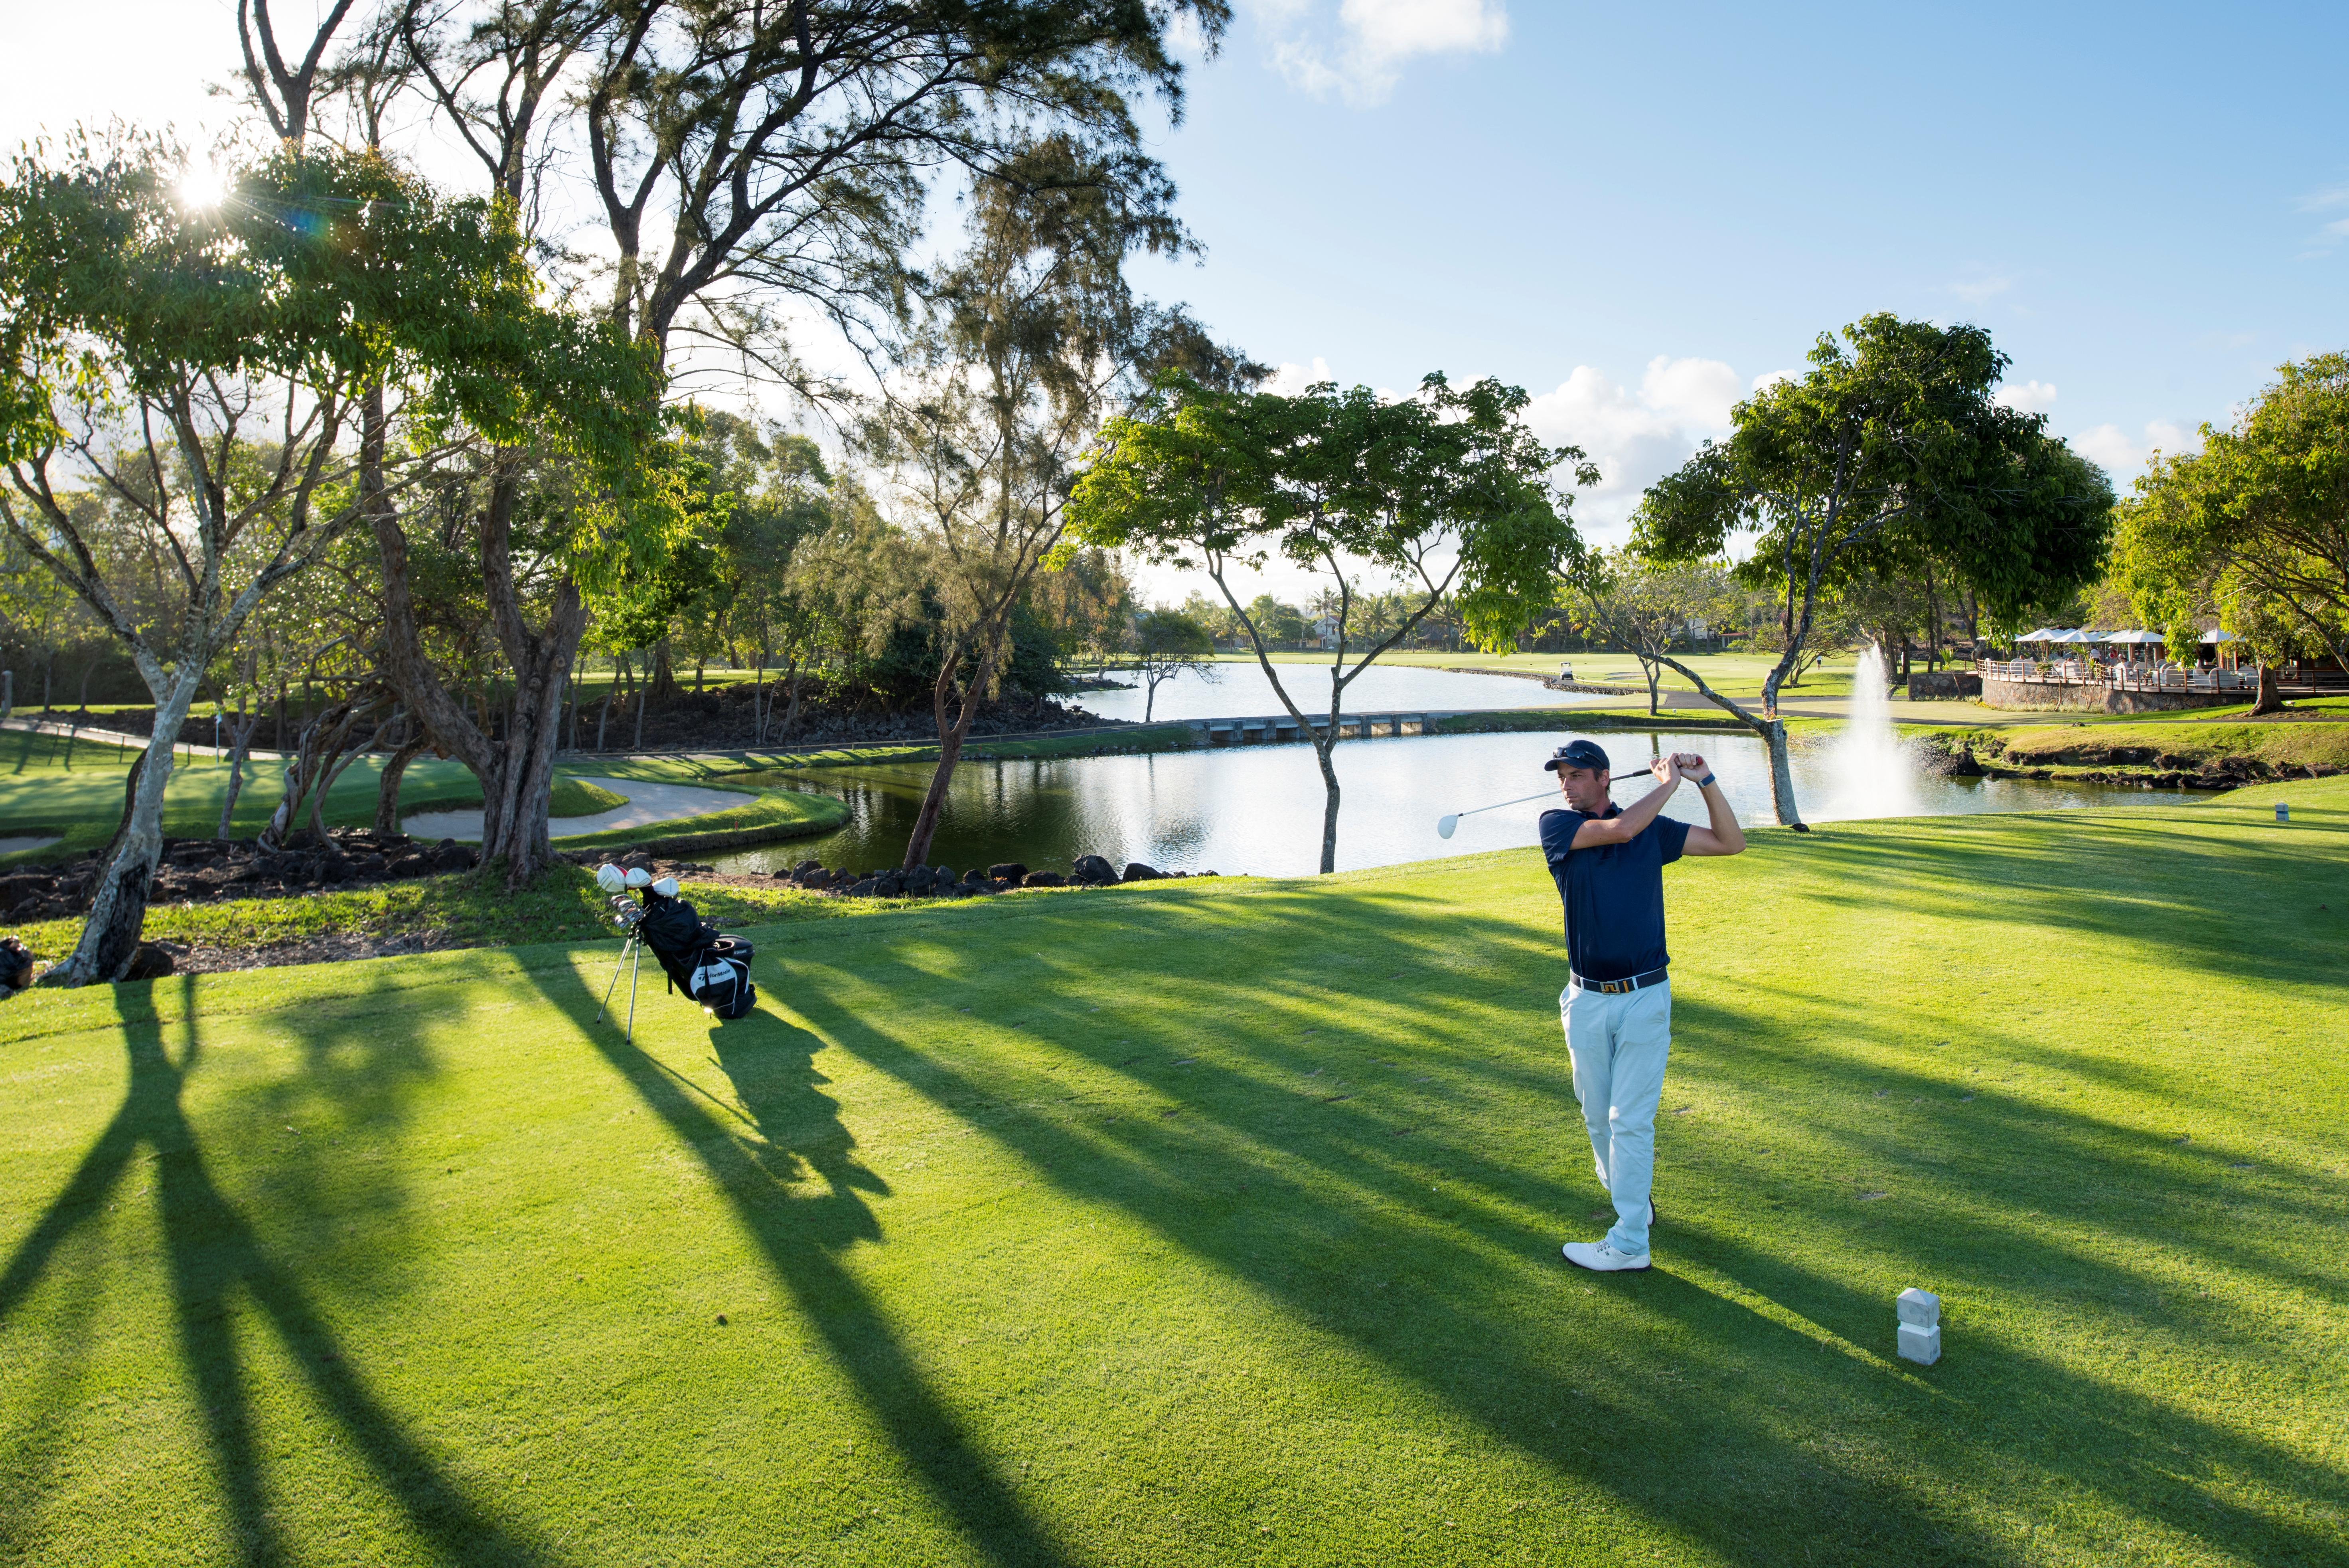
[1217, 1222]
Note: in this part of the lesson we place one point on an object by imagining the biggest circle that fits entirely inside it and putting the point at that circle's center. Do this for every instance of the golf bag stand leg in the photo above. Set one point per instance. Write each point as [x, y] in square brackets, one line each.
[632, 965]
[627, 953]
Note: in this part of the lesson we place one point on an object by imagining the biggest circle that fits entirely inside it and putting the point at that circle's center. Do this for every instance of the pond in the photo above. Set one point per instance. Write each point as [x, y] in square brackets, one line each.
[1257, 809]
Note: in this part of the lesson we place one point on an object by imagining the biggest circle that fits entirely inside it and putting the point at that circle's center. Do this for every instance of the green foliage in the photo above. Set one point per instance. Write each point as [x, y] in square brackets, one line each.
[2254, 529]
[1890, 446]
[1196, 475]
[331, 268]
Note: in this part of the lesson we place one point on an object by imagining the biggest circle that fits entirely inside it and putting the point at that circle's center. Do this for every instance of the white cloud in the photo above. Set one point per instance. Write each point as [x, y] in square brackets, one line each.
[1291, 378]
[1692, 391]
[2031, 398]
[1361, 57]
[2122, 454]
[1635, 437]
[1981, 291]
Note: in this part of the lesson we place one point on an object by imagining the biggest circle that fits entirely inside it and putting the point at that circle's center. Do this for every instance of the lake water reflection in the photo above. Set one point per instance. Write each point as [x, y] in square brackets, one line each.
[1258, 809]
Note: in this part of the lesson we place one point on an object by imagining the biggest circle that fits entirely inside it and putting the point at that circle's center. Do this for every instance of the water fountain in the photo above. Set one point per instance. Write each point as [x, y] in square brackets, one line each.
[1872, 771]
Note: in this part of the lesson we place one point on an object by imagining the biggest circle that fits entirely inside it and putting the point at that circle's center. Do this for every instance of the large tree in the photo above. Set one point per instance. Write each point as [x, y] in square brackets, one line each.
[2254, 529]
[1034, 336]
[193, 372]
[745, 160]
[1446, 490]
[1891, 443]
[1645, 606]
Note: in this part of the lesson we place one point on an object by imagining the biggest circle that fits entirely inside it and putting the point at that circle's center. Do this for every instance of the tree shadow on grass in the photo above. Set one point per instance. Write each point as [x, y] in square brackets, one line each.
[1697, 1413]
[794, 1133]
[216, 1263]
[2230, 903]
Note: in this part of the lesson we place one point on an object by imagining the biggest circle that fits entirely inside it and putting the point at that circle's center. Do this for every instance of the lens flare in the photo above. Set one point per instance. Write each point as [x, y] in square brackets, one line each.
[202, 186]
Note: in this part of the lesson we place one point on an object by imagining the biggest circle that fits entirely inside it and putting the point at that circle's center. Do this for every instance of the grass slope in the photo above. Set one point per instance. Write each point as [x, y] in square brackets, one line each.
[2297, 744]
[49, 784]
[1219, 1223]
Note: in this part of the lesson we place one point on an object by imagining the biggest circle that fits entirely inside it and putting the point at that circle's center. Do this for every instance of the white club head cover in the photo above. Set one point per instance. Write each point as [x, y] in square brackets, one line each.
[639, 878]
[609, 877]
[666, 886]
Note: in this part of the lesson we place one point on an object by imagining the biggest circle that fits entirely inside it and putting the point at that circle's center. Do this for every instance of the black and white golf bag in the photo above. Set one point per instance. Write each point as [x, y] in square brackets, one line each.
[713, 969]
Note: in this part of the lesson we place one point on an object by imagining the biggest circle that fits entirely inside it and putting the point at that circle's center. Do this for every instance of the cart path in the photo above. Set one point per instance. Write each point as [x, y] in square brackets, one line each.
[647, 803]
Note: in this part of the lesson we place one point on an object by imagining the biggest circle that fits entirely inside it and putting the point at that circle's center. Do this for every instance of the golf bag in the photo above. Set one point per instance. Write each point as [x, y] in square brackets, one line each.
[714, 971]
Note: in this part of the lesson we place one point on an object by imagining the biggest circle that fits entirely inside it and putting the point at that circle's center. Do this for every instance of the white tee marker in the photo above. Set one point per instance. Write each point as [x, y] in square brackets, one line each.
[1920, 1325]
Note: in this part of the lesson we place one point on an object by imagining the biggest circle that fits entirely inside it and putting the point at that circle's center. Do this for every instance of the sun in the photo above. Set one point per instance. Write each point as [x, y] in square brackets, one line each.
[202, 186]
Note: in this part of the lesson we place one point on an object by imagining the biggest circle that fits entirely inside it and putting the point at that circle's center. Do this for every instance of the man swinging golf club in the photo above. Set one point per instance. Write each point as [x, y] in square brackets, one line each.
[1608, 865]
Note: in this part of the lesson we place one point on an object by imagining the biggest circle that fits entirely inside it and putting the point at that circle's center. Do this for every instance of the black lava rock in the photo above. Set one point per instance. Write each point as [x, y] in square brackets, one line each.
[1092, 871]
[1006, 871]
[1135, 871]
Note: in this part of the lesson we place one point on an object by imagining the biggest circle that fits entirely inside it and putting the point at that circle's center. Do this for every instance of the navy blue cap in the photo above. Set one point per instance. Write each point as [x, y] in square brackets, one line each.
[1579, 754]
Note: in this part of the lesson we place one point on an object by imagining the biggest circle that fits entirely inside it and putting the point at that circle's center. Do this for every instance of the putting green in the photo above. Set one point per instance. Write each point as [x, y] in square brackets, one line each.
[1203, 1223]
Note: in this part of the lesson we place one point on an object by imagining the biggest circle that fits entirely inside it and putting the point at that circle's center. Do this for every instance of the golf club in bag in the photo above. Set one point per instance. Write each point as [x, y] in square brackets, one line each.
[712, 970]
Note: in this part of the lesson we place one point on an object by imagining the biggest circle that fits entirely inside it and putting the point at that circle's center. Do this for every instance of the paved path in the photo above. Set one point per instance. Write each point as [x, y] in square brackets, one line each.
[18, 845]
[647, 803]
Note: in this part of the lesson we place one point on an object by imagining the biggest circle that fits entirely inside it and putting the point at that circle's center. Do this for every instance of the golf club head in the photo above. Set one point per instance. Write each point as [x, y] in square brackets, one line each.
[639, 878]
[610, 877]
[1444, 824]
[666, 886]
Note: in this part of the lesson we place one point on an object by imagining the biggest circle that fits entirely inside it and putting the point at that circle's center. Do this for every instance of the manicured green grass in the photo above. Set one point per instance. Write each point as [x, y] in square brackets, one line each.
[1217, 1222]
[41, 794]
[49, 784]
[467, 910]
[2293, 743]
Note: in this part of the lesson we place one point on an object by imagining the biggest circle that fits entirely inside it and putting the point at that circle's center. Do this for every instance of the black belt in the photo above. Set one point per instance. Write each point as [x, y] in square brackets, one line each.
[1617, 987]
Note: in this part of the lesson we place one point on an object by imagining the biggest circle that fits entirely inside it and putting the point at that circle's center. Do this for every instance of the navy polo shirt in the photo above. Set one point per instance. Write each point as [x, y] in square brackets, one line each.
[1613, 894]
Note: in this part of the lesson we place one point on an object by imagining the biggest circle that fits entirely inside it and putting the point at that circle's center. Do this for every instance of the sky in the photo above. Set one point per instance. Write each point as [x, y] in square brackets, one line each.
[1636, 213]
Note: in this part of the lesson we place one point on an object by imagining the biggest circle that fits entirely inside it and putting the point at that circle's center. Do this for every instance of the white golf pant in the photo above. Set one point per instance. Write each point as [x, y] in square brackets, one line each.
[1620, 1044]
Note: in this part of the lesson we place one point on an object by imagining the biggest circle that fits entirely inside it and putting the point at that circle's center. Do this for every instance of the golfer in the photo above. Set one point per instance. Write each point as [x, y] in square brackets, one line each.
[1617, 1003]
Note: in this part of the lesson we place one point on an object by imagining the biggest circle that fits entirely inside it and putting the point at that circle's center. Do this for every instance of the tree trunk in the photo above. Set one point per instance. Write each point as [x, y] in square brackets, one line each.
[611, 697]
[664, 672]
[2270, 700]
[951, 740]
[571, 711]
[387, 789]
[1782, 776]
[117, 908]
[517, 776]
[1323, 749]
[642, 691]
[240, 740]
[1772, 731]
[1654, 672]
[792, 713]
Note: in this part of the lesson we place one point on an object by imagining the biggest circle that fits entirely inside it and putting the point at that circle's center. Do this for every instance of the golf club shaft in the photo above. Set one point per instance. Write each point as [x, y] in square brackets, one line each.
[1546, 794]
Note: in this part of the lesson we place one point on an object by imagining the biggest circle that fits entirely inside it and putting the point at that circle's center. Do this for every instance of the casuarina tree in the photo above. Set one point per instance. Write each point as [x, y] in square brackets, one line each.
[1891, 442]
[745, 163]
[1446, 490]
[190, 375]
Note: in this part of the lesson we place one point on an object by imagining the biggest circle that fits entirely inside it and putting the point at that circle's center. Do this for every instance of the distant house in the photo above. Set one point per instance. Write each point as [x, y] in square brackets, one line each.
[1325, 631]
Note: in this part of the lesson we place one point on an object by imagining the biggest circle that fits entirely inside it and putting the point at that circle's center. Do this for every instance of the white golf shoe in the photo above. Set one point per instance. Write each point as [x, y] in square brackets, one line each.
[1602, 1257]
